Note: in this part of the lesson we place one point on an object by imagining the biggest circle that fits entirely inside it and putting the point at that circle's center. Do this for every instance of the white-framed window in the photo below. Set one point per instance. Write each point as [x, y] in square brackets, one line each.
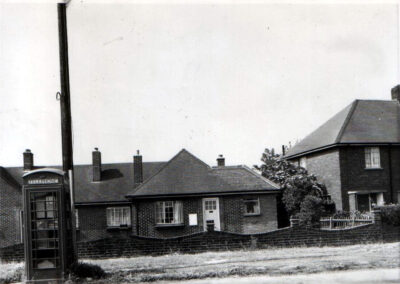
[303, 162]
[169, 212]
[372, 158]
[118, 216]
[252, 206]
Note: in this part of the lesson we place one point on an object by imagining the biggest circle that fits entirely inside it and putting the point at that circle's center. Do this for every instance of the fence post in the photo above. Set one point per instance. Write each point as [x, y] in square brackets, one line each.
[378, 222]
[377, 216]
[330, 223]
[294, 222]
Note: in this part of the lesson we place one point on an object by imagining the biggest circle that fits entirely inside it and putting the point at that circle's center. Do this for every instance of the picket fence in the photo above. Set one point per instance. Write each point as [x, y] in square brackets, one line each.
[342, 223]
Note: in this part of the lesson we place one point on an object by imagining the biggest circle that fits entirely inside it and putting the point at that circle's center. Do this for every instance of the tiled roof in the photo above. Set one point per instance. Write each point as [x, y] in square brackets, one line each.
[185, 174]
[116, 181]
[363, 121]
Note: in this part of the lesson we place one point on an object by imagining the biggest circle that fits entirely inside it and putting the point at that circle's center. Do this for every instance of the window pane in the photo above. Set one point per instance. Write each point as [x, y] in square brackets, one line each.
[169, 212]
[117, 216]
[252, 206]
[372, 157]
[368, 157]
[178, 218]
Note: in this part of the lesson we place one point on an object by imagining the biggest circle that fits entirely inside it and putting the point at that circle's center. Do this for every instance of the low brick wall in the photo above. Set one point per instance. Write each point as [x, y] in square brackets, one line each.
[219, 241]
[12, 253]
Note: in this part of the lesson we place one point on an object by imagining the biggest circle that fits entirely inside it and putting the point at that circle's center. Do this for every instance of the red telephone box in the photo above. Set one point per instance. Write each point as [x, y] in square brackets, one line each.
[48, 226]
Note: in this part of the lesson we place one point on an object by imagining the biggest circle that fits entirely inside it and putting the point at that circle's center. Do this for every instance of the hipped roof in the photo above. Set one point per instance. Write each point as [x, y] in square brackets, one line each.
[185, 174]
[361, 122]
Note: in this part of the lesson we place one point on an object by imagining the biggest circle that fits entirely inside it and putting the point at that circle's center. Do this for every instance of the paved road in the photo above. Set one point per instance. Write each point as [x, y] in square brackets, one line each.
[372, 276]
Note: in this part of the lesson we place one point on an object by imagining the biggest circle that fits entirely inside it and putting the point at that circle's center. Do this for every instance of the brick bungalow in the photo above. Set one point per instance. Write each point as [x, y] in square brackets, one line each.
[188, 196]
[356, 154]
[154, 199]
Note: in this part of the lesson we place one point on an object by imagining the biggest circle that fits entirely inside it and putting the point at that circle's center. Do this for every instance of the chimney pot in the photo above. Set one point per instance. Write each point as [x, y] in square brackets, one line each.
[137, 168]
[28, 160]
[221, 161]
[96, 164]
[396, 93]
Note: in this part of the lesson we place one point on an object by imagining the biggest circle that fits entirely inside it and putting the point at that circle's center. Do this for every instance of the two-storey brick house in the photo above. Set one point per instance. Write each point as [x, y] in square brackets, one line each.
[154, 199]
[356, 154]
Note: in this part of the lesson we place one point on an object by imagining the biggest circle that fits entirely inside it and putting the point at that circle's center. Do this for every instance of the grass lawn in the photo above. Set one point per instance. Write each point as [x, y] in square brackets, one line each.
[271, 262]
[371, 276]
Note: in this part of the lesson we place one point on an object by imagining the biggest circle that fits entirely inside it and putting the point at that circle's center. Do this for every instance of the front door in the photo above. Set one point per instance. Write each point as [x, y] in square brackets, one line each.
[211, 214]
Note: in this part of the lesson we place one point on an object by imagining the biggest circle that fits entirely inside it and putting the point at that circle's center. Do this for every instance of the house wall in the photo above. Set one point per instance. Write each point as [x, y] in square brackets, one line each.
[231, 217]
[355, 177]
[10, 206]
[93, 224]
[325, 166]
[395, 164]
[146, 219]
[266, 221]
[343, 170]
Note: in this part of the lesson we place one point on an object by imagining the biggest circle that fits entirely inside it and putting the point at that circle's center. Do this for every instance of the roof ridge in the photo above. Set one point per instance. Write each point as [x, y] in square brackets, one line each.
[163, 167]
[346, 121]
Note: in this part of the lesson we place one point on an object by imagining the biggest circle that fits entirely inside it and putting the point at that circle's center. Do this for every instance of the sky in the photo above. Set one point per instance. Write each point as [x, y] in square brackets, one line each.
[212, 77]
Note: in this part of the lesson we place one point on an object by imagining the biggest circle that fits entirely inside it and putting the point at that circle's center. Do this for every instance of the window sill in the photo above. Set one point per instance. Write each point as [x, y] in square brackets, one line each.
[119, 228]
[371, 169]
[169, 225]
[251, 214]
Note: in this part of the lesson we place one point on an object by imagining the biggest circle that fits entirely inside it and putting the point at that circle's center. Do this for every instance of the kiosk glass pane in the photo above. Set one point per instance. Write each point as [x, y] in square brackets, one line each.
[44, 228]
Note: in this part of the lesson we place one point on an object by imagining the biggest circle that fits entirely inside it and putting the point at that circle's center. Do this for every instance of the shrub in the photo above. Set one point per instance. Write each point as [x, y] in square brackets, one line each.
[301, 191]
[390, 214]
[87, 270]
[312, 208]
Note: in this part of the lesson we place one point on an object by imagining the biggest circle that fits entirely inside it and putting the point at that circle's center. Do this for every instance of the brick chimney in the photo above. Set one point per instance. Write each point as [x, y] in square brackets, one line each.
[96, 164]
[28, 160]
[396, 93]
[137, 168]
[221, 161]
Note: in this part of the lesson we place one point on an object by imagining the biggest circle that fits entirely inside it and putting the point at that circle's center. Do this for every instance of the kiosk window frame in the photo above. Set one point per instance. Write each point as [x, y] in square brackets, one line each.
[45, 234]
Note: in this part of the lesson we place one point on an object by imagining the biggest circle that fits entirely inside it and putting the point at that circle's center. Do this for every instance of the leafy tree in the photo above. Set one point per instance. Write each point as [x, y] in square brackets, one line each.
[302, 195]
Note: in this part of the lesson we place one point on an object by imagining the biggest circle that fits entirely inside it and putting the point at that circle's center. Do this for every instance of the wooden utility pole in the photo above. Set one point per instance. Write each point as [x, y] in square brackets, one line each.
[65, 104]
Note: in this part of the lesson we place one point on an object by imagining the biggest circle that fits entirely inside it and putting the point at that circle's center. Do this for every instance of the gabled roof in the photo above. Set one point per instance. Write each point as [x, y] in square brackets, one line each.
[185, 174]
[363, 121]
